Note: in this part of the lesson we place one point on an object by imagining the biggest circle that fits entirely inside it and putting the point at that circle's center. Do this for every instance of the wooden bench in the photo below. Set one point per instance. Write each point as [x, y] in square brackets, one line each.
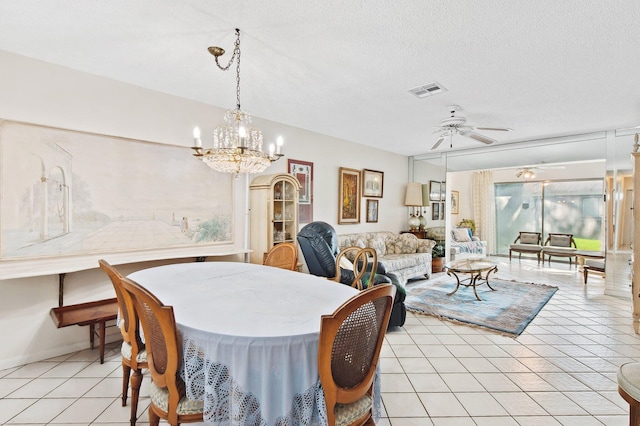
[89, 313]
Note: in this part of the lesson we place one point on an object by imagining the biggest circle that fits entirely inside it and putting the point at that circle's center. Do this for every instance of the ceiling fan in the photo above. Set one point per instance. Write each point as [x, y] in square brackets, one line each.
[458, 125]
[527, 172]
[531, 171]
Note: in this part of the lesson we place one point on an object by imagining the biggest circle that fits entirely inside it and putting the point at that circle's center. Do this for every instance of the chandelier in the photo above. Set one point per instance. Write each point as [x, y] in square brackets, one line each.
[237, 147]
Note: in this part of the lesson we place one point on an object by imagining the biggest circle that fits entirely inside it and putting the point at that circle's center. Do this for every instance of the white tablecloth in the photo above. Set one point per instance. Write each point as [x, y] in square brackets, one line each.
[250, 338]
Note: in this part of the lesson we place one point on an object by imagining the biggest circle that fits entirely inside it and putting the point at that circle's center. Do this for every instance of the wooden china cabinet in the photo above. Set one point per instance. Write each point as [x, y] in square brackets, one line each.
[274, 212]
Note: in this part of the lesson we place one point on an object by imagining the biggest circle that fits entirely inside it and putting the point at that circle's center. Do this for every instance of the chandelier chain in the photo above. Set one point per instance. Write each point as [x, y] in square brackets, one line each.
[236, 53]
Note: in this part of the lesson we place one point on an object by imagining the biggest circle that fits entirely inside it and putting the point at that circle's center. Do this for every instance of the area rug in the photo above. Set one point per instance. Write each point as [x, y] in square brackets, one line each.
[507, 310]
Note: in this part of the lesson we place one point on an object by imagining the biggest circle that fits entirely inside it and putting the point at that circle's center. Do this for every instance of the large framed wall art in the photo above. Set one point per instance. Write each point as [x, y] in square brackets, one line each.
[349, 196]
[68, 197]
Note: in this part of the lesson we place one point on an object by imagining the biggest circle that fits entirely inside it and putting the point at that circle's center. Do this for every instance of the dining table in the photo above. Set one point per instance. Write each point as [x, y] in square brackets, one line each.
[249, 338]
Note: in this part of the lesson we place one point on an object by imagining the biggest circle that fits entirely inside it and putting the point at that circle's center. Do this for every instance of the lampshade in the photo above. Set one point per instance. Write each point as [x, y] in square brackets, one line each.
[425, 195]
[413, 196]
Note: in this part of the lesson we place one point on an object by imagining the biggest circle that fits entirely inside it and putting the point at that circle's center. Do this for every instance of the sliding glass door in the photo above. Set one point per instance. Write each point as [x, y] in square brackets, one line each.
[574, 207]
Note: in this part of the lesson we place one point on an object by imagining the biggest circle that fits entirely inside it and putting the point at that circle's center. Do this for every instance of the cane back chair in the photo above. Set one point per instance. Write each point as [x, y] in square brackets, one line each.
[348, 352]
[134, 355]
[164, 352]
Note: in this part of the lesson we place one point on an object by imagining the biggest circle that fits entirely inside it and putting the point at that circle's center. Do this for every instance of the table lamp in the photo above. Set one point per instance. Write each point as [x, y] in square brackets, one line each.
[413, 198]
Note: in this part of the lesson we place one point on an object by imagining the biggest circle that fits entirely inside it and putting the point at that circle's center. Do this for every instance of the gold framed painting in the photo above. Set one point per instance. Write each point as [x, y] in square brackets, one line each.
[349, 196]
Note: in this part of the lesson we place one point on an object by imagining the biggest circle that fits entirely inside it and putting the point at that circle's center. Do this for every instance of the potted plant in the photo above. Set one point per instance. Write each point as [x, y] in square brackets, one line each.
[437, 258]
[468, 223]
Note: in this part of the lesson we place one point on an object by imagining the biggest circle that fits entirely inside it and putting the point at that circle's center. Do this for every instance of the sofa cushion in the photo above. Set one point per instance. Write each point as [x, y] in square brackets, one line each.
[378, 244]
[594, 263]
[567, 251]
[461, 235]
[395, 262]
[408, 243]
[393, 246]
[526, 247]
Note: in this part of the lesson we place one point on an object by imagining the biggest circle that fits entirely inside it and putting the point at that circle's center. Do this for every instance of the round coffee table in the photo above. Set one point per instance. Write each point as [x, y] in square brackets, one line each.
[475, 268]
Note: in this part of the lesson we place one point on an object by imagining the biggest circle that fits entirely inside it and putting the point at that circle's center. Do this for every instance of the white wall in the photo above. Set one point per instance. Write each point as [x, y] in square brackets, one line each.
[37, 92]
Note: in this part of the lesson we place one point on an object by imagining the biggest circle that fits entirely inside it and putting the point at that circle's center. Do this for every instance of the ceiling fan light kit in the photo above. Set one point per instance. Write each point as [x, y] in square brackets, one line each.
[453, 125]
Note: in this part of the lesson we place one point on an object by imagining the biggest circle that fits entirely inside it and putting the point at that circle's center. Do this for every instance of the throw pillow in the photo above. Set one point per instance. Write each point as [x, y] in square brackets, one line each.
[378, 245]
[392, 246]
[560, 241]
[408, 243]
[461, 235]
[351, 254]
[528, 238]
[346, 263]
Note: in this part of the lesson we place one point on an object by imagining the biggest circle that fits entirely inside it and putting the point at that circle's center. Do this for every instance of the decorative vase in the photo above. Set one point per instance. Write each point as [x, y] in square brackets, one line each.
[423, 222]
[414, 222]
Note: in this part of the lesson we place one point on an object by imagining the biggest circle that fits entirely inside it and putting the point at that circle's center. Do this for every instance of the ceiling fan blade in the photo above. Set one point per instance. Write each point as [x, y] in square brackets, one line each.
[479, 137]
[495, 129]
[438, 142]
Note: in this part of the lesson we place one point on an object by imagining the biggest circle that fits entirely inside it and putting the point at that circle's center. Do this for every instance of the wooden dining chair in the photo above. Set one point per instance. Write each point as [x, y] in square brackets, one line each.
[164, 353]
[348, 353]
[283, 255]
[134, 355]
[363, 265]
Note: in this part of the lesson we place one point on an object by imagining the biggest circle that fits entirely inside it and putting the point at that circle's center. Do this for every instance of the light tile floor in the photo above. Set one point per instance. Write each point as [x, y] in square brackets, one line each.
[560, 371]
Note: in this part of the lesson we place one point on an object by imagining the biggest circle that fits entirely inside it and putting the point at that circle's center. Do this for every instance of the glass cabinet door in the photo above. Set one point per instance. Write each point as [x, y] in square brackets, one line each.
[284, 212]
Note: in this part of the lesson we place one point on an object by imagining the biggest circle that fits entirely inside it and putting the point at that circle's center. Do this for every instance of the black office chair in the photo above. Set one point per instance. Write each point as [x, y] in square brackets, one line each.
[319, 245]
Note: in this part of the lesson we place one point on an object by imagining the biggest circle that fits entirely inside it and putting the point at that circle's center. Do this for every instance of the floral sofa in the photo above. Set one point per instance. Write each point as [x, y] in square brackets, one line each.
[463, 243]
[401, 254]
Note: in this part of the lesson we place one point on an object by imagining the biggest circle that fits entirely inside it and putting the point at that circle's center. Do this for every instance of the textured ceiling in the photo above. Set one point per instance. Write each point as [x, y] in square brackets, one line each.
[544, 68]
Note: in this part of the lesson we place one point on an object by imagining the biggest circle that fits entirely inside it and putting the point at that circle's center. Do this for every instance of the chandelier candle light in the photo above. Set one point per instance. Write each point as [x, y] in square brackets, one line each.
[237, 147]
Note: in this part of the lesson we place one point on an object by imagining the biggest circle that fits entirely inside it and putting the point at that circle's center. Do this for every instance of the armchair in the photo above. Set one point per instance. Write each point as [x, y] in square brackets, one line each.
[527, 242]
[560, 245]
[319, 245]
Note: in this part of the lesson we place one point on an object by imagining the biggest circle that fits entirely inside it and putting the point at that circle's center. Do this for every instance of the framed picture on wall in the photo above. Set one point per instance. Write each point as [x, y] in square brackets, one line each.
[441, 211]
[443, 191]
[303, 171]
[372, 183]
[372, 210]
[455, 202]
[349, 196]
[435, 211]
[434, 190]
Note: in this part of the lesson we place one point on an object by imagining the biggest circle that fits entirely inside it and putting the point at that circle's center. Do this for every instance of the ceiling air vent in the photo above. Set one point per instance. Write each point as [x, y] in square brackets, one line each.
[427, 90]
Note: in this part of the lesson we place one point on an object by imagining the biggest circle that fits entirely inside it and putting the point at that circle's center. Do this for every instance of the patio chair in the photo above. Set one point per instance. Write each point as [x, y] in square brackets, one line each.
[559, 245]
[134, 355]
[527, 242]
[593, 266]
[348, 353]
